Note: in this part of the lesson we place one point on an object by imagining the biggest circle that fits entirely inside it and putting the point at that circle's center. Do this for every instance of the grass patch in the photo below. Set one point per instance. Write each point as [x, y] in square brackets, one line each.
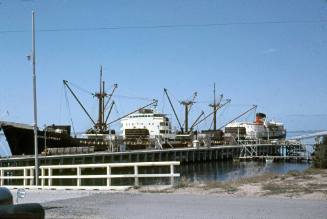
[314, 171]
[256, 179]
[317, 187]
[229, 187]
[294, 173]
[276, 189]
[306, 174]
[182, 183]
[157, 190]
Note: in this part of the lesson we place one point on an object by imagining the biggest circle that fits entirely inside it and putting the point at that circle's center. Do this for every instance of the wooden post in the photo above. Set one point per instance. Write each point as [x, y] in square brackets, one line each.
[1, 175]
[136, 173]
[108, 176]
[172, 174]
[32, 175]
[49, 175]
[78, 176]
[25, 177]
[42, 175]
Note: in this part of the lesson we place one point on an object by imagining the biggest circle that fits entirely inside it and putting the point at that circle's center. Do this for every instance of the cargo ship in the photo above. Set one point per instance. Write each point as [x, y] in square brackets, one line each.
[58, 138]
[261, 128]
[144, 128]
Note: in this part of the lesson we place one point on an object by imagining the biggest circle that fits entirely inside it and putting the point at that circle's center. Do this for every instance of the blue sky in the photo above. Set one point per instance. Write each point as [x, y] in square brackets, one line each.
[280, 67]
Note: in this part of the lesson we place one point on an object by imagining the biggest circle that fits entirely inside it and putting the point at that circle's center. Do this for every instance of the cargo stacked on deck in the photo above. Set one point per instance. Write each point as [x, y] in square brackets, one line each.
[142, 128]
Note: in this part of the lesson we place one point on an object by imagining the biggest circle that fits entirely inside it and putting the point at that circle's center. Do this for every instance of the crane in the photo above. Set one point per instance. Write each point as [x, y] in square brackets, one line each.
[172, 106]
[110, 109]
[197, 119]
[254, 107]
[78, 101]
[217, 108]
[154, 102]
[101, 124]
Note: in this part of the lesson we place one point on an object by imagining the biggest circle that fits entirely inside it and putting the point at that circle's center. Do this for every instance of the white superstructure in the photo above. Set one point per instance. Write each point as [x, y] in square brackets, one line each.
[260, 129]
[157, 124]
[267, 130]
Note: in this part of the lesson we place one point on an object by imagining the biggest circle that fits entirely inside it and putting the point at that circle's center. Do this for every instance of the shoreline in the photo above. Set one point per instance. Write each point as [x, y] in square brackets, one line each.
[310, 184]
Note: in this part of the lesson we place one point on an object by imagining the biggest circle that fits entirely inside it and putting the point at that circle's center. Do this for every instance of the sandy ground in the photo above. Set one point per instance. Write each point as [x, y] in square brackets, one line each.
[294, 195]
[310, 185]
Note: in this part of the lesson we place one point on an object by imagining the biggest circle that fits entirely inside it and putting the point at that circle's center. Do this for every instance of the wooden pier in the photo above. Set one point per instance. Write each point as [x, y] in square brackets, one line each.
[184, 155]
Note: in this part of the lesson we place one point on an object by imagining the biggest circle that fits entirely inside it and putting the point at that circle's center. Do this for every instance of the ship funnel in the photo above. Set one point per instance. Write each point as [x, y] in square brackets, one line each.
[260, 118]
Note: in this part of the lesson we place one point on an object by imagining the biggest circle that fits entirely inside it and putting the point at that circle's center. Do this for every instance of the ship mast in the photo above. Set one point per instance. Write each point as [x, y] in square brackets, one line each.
[187, 104]
[101, 126]
[187, 107]
[217, 108]
[214, 106]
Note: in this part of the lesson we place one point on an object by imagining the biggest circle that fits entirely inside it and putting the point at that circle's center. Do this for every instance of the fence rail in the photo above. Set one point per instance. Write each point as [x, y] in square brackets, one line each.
[26, 173]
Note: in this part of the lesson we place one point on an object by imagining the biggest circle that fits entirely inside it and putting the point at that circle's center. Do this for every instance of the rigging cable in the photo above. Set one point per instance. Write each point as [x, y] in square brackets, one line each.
[116, 109]
[80, 88]
[132, 97]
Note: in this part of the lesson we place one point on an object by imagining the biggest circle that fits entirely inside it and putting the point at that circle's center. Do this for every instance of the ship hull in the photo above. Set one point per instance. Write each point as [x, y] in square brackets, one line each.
[20, 139]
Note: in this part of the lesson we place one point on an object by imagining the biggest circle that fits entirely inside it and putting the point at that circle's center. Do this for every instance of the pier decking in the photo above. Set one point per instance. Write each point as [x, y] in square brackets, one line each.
[184, 155]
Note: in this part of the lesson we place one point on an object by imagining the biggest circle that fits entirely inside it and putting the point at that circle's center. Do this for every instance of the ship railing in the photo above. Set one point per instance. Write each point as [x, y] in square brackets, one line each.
[78, 173]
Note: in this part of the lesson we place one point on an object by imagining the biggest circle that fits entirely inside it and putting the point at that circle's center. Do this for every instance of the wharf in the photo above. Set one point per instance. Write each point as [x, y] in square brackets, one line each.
[184, 155]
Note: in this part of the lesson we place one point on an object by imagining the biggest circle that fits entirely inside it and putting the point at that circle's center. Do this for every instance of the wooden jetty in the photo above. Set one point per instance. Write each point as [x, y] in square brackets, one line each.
[184, 155]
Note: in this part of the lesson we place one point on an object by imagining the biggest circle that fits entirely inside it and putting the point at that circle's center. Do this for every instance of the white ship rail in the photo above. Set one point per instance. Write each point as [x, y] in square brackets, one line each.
[11, 176]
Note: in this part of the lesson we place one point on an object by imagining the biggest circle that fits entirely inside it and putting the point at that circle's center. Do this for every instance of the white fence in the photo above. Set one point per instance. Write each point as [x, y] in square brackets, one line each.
[13, 174]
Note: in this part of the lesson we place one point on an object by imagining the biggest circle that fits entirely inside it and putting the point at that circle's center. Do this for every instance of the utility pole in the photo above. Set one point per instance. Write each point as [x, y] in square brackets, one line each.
[35, 104]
